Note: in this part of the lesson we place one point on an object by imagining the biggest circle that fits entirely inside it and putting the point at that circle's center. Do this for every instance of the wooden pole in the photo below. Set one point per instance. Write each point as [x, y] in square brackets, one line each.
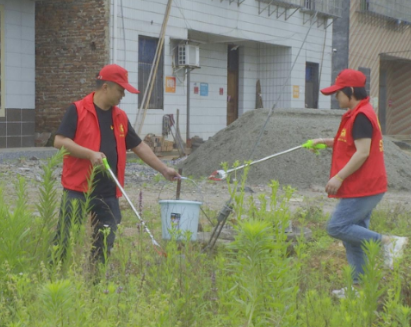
[153, 77]
[180, 171]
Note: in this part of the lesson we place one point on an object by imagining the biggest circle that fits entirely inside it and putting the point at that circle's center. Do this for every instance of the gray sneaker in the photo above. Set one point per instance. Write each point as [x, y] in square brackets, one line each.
[342, 293]
[394, 249]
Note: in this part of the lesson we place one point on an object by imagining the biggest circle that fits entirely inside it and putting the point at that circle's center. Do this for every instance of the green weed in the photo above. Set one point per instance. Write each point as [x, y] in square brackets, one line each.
[255, 281]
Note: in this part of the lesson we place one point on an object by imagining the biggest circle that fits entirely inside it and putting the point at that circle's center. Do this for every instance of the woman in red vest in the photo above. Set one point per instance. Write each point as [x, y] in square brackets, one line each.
[92, 129]
[357, 176]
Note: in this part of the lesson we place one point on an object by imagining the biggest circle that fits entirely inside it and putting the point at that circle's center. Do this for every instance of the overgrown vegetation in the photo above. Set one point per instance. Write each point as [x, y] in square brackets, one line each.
[255, 281]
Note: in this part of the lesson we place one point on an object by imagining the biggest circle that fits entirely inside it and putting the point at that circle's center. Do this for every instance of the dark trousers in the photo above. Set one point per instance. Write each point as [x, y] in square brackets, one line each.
[105, 214]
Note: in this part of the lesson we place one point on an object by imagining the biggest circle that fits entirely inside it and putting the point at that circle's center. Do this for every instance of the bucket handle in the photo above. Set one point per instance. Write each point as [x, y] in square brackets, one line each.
[185, 179]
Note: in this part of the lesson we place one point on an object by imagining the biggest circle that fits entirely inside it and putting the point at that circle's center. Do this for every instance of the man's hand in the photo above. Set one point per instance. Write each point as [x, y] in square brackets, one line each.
[96, 158]
[170, 174]
[78, 151]
[144, 152]
[333, 186]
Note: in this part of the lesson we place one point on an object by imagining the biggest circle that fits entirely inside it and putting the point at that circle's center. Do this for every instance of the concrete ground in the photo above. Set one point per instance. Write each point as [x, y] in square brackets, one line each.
[8, 154]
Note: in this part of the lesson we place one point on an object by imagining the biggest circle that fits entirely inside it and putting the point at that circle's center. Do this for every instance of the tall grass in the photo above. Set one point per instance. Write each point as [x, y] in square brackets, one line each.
[254, 281]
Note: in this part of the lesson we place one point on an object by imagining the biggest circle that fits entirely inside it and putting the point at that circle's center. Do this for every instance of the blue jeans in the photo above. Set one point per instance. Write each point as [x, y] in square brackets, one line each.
[349, 223]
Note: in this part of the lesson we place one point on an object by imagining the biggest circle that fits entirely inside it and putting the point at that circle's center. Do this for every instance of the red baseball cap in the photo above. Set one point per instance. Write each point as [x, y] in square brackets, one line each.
[117, 74]
[346, 78]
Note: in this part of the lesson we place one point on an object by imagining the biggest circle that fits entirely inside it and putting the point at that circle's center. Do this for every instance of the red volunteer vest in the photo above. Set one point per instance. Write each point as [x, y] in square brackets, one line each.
[76, 171]
[370, 178]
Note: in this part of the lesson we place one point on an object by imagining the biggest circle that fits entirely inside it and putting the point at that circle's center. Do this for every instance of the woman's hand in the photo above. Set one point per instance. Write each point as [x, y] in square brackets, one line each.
[333, 185]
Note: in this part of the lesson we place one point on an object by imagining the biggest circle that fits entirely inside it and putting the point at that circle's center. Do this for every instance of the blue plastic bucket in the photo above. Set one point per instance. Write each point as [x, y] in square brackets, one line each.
[179, 215]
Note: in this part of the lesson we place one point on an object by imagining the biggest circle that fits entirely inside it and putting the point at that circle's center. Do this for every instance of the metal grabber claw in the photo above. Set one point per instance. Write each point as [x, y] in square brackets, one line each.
[218, 175]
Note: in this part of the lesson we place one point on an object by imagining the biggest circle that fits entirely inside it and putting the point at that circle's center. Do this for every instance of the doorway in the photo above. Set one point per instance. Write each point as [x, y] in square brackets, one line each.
[232, 83]
[382, 101]
[311, 85]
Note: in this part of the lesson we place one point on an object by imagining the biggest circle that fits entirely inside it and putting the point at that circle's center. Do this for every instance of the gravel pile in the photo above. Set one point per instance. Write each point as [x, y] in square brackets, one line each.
[31, 169]
[286, 129]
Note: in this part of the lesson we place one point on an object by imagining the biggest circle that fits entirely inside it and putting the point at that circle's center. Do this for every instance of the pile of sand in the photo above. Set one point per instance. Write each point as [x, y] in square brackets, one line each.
[286, 129]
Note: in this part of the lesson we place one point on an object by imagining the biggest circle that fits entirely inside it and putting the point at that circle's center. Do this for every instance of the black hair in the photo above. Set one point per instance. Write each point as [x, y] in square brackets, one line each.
[100, 82]
[360, 93]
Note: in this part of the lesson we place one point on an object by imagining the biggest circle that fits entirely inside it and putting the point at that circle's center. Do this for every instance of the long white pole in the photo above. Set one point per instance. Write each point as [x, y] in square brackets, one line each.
[106, 165]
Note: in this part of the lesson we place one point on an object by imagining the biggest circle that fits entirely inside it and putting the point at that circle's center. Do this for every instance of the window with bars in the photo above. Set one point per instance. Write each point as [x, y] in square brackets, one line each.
[399, 10]
[365, 5]
[146, 51]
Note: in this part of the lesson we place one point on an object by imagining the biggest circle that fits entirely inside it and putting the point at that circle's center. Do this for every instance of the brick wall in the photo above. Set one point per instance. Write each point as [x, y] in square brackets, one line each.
[72, 44]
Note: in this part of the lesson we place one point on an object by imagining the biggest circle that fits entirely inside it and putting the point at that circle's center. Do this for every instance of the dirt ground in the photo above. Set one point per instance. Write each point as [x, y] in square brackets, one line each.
[286, 128]
[141, 178]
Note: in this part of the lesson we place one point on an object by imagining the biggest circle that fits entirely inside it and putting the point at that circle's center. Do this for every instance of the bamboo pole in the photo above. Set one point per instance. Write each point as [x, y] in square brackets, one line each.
[153, 73]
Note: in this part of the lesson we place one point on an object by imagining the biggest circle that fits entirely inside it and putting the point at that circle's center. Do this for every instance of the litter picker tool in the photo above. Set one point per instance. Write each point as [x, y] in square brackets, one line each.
[221, 174]
[157, 246]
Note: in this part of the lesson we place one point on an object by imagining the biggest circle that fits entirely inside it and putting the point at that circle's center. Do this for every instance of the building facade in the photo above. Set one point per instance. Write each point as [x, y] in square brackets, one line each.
[17, 73]
[72, 44]
[239, 55]
[375, 36]
[251, 54]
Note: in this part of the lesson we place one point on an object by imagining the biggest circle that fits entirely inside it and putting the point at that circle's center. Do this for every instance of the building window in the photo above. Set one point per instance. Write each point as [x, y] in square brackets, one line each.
[309, 4]
[2, 70]
[365, 5]
[367, 73]
[146, 51]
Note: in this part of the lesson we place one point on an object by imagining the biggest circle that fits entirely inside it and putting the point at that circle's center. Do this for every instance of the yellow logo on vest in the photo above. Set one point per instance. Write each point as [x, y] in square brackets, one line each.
[343, 135]
[121, 128]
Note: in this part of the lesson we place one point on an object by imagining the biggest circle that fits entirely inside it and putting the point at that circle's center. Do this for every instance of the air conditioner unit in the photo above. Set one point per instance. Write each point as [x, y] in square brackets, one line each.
[188, 55]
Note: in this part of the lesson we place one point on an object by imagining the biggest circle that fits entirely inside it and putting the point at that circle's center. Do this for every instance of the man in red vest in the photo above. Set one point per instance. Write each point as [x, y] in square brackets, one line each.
[358, 174]
[92, 129]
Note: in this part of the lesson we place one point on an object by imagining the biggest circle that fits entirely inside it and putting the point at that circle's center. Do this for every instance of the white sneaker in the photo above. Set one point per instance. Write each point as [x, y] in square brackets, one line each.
[394, 249]
[342, 293]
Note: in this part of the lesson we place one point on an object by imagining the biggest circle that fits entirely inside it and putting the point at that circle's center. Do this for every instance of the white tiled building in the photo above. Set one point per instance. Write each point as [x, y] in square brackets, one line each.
[285, 45]
[17, 37]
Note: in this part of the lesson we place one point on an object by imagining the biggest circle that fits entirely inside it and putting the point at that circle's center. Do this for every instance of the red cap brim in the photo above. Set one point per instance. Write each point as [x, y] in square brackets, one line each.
[129, 88]
[332, 89]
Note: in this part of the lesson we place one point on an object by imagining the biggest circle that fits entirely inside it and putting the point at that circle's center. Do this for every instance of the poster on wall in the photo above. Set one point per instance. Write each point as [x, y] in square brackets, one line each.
[204, 89]
[170, 84]
[296, 91]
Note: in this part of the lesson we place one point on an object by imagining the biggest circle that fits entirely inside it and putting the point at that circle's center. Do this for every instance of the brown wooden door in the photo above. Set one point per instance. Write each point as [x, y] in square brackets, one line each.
[232, 84]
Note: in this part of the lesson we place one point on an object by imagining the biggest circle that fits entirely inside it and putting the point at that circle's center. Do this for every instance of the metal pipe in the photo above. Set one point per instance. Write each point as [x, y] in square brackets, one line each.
[106, 165]
[188, 107]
